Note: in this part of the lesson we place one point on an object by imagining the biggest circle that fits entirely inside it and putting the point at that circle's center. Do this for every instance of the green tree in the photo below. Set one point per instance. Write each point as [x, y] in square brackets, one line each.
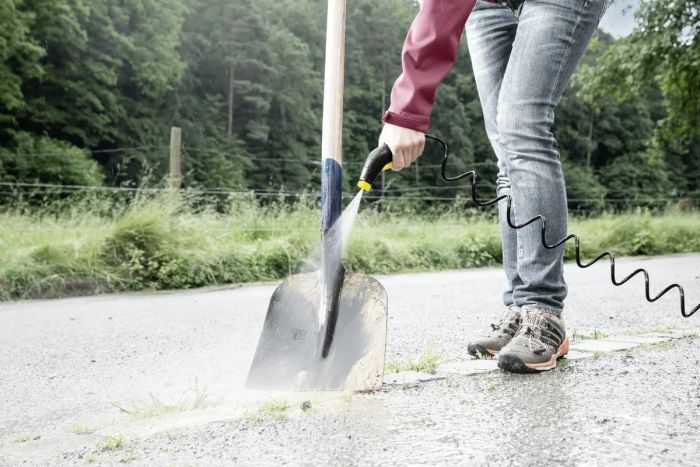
[259, 82]
[663, 51]
[642, 178]
[108, 72]
[41, 160]
[244, 81]
[19, 60]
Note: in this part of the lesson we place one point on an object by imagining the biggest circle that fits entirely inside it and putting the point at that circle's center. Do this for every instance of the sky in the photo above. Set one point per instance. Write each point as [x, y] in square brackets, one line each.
[619, 19]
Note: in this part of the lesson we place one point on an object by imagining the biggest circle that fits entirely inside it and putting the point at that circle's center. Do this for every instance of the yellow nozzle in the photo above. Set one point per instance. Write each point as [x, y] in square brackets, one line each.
[364, 185]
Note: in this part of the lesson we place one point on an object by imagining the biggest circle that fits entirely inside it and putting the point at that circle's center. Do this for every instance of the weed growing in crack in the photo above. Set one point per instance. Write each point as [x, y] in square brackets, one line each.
[275, 409]
[596, 334]
[27, 437]
[193, 399]
[426, 363]
[80, 429]
[110, 443]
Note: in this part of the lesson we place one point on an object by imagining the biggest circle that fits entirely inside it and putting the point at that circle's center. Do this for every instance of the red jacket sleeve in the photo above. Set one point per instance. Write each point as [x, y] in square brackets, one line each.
[429, 52]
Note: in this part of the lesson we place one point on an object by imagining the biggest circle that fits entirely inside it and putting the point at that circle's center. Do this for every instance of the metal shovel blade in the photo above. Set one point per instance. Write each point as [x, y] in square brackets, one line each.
[286, 356]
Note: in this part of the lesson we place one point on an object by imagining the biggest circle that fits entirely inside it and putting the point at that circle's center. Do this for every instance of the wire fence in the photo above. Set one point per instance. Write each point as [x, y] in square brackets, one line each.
[217, 152]
[79, 151]
[391, 195]
[392, 192]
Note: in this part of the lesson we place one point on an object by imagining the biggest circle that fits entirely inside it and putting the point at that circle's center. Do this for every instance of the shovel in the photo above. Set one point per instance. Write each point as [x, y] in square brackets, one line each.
[325, 330]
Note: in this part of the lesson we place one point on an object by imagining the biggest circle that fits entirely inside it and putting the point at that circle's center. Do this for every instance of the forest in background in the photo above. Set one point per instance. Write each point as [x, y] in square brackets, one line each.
[89, 90]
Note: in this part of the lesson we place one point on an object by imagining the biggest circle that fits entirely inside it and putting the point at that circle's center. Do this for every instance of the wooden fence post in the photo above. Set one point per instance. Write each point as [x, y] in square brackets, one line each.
[175, 158]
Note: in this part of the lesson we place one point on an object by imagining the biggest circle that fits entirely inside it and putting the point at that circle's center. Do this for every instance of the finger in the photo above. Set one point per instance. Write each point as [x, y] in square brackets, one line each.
[407, 158]
[414, 151]
[398, 160]
[421, 148]
[408, 155]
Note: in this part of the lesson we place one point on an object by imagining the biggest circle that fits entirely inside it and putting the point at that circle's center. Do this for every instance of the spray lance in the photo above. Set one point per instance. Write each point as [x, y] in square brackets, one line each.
[380, 159]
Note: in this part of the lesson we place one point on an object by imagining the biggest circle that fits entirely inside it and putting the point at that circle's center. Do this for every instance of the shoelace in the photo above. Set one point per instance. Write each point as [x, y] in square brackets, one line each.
[532, 333]
[506, 318]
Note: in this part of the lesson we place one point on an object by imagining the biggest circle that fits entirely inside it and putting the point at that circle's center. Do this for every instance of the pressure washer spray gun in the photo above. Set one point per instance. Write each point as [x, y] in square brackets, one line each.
[380, 159]
[377, 161]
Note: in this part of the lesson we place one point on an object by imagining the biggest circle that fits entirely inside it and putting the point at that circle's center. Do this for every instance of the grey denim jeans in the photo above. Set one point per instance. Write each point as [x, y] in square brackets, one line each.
[522, 62]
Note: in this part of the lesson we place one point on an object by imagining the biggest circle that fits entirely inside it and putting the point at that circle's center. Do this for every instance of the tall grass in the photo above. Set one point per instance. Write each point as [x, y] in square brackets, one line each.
[167, 242]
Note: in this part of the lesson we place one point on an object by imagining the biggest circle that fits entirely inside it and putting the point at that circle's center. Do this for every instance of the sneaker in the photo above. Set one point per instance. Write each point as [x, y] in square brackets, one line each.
[502, 331]
[538, 344]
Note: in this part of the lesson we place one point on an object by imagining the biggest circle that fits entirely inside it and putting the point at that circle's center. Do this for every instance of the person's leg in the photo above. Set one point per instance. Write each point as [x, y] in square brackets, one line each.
[490, 34]
[551, 39]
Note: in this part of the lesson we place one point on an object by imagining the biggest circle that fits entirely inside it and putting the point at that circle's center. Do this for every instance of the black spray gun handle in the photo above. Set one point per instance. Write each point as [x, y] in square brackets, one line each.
[381, 159]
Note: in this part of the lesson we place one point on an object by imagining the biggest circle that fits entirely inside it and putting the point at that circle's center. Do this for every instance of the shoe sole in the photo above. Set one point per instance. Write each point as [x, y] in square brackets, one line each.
[476, 350]
[514, 364]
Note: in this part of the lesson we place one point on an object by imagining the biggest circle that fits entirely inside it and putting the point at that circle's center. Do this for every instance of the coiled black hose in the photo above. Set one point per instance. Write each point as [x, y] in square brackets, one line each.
[577, 242]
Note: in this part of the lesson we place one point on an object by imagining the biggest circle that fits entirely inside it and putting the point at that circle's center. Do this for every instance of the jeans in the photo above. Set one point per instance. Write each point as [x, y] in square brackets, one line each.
[522, 62]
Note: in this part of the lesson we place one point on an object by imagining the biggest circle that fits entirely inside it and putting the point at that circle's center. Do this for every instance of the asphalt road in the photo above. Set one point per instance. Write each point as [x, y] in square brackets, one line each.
[66, 366]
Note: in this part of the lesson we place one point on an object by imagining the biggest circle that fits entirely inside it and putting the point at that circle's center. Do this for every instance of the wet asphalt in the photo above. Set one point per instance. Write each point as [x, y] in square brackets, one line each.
[69, 363]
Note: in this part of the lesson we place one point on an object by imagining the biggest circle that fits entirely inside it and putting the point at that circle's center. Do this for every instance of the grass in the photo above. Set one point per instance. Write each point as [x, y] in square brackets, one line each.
[153, 243]
[665, 344]
[275, 409]
[90, 458]
[23, 438]
[80, 429]
[596, 334]
[128, 457]
[110, 443]
[426, 363]
[193, 399]
[658, 330]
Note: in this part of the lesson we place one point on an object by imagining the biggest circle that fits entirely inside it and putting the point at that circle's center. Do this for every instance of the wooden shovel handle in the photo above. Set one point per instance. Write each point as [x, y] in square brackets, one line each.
[332, 133]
